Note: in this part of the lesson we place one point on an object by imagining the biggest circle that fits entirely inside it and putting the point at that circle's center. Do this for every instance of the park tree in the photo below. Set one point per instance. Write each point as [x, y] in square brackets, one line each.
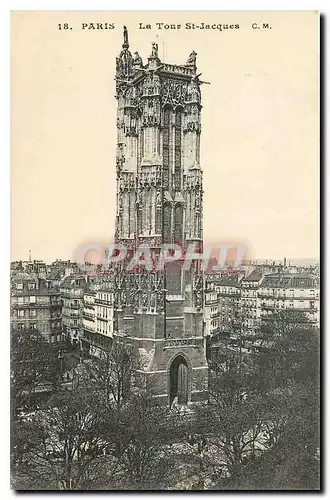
[32, 364]
[284, 392]
[288, 375]
[66, 444]
[113, 372]
[144, 434]
[264, 405]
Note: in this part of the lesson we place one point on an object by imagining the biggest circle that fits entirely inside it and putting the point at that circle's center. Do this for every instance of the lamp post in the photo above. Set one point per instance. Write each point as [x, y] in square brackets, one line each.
[60, 359]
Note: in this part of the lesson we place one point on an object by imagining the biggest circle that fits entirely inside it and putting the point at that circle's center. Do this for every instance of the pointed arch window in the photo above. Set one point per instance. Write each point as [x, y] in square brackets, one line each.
[166, 146]
[167, 222]
[177, 149]
[178, 223]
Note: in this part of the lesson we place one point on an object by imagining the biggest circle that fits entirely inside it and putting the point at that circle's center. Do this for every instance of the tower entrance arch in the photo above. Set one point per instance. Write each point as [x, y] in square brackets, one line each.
[179, 380]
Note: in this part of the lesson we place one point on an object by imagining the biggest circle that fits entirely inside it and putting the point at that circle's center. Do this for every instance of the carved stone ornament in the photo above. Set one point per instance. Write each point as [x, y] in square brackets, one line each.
[154, 50]
[192, 58]
[137, 61]
[193, 91]
[174, 93]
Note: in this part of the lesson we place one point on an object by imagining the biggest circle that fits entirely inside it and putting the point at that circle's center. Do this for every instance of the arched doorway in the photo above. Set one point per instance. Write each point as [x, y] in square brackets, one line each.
[179, 380]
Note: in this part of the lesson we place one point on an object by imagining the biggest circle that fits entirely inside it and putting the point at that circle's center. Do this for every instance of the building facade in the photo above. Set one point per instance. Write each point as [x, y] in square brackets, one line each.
[251, 301]
[98, 319]
[72, 292]
[159, 201]
[229, 296]
[211, 312]
[89, 318]
[292, 292]
[36, 306]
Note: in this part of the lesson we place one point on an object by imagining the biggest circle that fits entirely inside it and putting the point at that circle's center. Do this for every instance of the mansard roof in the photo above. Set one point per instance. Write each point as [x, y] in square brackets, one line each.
[288, 281]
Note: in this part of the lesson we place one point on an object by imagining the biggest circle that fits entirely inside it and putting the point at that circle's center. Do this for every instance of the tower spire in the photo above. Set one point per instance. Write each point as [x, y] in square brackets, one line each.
[125, 33]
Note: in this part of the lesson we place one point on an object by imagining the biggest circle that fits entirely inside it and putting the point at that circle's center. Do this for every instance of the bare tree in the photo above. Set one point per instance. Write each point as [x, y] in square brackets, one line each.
[113, 372]
[32, 363]
[272, 409]
[63, 445]
[144, 434]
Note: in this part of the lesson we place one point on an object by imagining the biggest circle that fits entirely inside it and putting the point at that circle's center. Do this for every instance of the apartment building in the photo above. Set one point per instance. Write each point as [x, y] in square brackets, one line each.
[211, 312]
[293, 292]
[36, 306]
[229, 294]
[98, 317]
[72, 290]
[249, 302]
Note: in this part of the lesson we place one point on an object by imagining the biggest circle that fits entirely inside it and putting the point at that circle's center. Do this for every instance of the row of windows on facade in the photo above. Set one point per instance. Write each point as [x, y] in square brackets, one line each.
[282, 303]
[104, 296]
[270, 291]
[229, 300]
[67, 311]
[72, 302]
[102, 327]
[32, 313]
[249, 293]
[249, 303]
[104, 312]
[32, 299]
[40, 327]
[296, 305]
[284, 292]
[30, 285]
[227, 308]
[292, 305]
[90, 300]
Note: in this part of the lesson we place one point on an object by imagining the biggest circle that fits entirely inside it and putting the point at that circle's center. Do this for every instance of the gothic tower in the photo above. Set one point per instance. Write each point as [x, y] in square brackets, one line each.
[159, 201]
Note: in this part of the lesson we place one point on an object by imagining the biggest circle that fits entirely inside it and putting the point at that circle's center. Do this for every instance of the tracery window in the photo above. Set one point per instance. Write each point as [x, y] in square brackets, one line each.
[178, 218]
[166, 147]
[167, 223]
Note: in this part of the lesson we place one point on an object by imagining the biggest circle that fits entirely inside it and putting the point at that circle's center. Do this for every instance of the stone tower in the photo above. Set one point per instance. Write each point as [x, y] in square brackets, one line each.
[159, 201]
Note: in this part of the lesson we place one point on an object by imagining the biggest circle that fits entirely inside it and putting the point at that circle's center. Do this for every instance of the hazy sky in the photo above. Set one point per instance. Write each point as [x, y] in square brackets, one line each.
[260, 136]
